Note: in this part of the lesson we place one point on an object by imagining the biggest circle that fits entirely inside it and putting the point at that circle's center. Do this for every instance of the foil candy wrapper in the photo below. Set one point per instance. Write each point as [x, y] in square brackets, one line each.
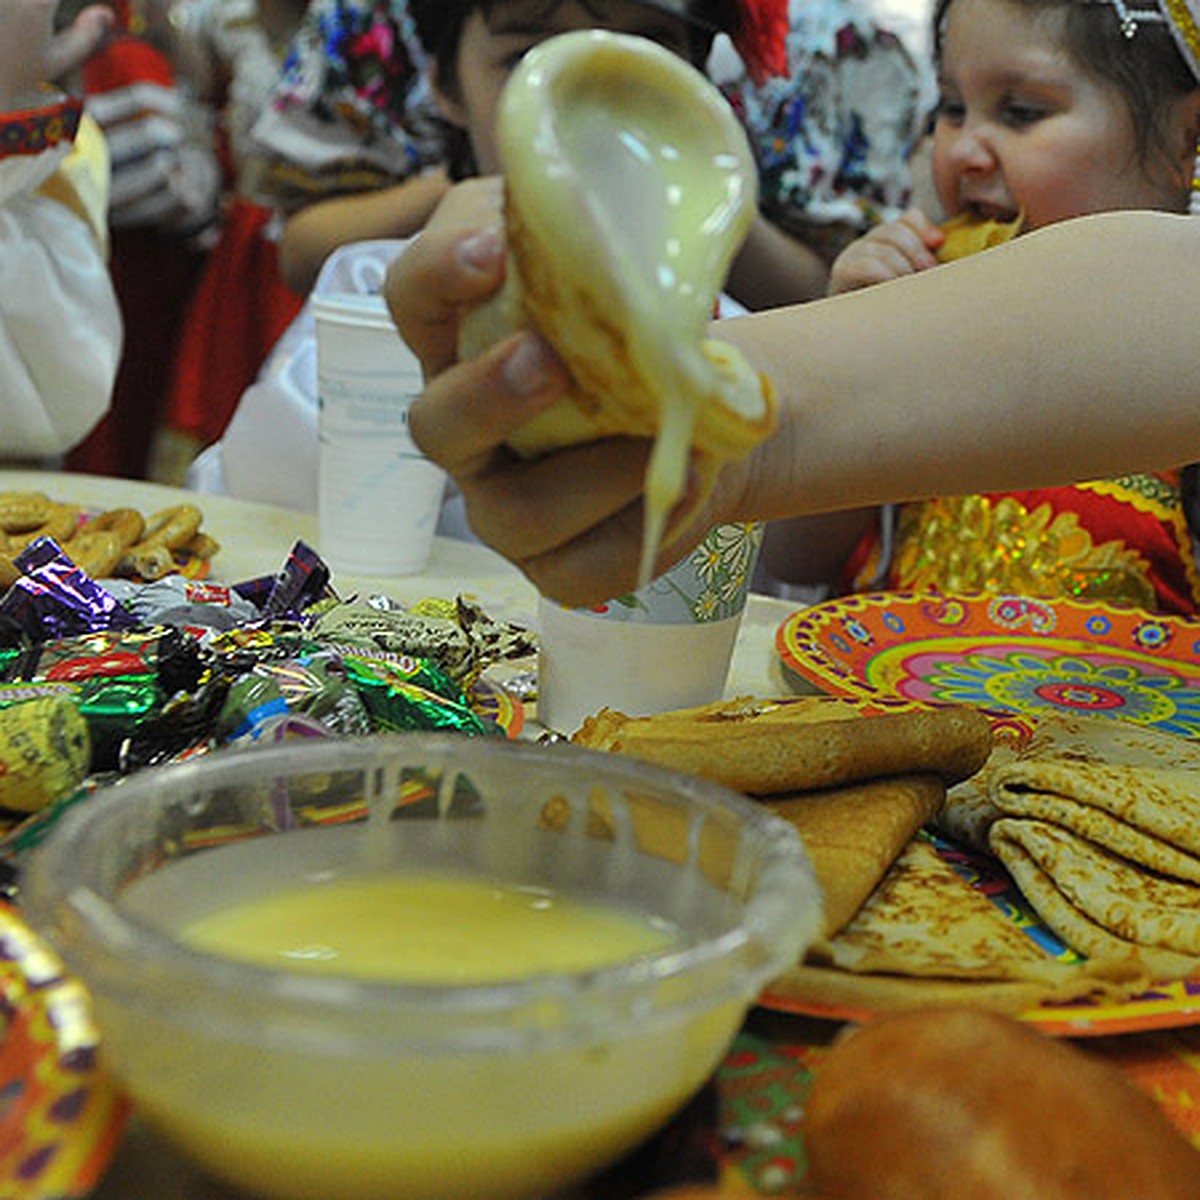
[45, 751]
[462, 643]
[55, 598]
[182, 602]
[397, 704]
[314, 684]
[301, 582]
[123, 679]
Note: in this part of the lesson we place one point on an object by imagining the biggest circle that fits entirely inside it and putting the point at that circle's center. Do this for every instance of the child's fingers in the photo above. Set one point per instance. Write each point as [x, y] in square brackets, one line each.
[927, 230]
[470, 410]
[456, 262]
[79, 41]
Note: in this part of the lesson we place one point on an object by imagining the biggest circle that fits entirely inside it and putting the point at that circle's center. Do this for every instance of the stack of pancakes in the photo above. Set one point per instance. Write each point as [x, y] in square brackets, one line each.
[1096, 821]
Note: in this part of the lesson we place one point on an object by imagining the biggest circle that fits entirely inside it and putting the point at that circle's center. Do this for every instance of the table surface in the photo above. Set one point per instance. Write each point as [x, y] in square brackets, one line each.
[757, 1096]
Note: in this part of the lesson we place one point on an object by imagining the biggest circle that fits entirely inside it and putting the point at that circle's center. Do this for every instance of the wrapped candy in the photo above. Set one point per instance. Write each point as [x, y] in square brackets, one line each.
[462, 642]
[54, 597]
[396, 703]
[45, 749]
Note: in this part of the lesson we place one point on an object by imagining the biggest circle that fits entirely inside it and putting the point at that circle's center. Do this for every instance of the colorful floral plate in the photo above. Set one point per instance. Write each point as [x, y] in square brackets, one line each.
[1009, 655]
[60, 1117]
[1014, 657]
[494, 701]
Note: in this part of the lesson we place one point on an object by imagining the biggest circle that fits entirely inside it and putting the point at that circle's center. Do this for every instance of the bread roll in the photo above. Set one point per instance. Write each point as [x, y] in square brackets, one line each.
[958, 1105]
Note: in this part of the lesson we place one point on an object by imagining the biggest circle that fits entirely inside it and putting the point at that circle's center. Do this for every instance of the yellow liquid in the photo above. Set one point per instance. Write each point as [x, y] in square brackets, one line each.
[288, 1122]
[425, 928]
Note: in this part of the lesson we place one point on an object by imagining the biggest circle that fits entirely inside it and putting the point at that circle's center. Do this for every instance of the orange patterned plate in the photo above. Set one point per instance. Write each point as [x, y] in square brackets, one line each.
[494, 701]
[1012, 656]
[60, 1117]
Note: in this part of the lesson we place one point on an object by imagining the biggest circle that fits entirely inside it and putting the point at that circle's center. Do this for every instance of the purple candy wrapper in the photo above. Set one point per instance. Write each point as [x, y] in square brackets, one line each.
[303, 580]
[55, 598]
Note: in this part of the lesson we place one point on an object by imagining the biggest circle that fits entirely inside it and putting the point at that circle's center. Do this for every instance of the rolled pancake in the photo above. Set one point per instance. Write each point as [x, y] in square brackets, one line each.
[629, 188]
[1099, 903]
[853, 834]
[770, 747]
[968, 234]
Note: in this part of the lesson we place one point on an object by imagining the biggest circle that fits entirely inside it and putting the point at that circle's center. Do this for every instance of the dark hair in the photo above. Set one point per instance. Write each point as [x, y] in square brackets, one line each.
[439, 26]
[1147, 68]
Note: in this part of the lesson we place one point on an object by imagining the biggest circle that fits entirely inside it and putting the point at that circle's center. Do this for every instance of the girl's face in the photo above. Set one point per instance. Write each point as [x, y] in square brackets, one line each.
[1023, 127]
[492, 45]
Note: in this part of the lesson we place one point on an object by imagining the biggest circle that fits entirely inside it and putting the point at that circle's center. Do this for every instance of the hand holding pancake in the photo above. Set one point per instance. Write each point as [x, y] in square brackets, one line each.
[900, 247]
[912, 243]
[572, 520]
[629, 187]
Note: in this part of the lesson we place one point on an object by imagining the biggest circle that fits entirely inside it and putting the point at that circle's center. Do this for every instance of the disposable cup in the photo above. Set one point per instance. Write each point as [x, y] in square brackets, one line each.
[666, 646]
[378, 496]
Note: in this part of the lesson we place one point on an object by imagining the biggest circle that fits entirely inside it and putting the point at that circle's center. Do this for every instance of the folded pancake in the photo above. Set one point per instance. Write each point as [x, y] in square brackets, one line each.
[768, 747]
[853, 834]
[927, 936]
[968, 233]
[1101, 904]
[1098, 822]
[629, 187]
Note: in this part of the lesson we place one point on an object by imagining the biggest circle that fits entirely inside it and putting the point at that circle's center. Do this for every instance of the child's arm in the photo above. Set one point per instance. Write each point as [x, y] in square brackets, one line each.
[991, 374]
[313, 233]
[814, 550]
[900, 247]
[774, 268]
[31, 54]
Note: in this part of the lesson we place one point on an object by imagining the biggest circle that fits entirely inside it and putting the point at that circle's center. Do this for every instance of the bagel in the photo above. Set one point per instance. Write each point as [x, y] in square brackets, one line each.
[61, 522]
[172, 527]
[97, 552]
[629, 188]
[127, 524]
[23, 511]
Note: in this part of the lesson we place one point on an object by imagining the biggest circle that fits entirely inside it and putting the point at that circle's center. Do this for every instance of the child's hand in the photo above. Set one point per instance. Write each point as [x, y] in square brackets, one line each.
[571, 520]
[31, 53]
[900, 247]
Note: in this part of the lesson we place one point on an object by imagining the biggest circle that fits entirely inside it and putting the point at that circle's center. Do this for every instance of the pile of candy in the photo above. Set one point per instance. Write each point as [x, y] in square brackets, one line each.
[101, 679]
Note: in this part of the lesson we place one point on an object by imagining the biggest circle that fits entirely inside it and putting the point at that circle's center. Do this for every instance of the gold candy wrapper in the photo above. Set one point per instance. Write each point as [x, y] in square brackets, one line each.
[45, 750]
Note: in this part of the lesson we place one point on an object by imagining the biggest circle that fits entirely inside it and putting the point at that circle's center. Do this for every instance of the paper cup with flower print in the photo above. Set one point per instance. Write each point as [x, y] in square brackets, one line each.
[666, 646]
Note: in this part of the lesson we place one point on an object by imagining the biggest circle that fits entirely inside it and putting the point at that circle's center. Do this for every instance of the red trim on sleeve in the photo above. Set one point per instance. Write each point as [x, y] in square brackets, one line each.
[34, 130]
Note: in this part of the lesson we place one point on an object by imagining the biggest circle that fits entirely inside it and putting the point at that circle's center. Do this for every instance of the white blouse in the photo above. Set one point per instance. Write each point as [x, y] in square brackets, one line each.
[60, 327]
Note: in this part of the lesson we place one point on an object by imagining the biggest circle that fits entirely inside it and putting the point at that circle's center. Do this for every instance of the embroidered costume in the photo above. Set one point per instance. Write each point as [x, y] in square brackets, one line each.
[162, 212]
[832, 136]
[241, 306]
[352, 110]
[1123, 541]
[60, 328]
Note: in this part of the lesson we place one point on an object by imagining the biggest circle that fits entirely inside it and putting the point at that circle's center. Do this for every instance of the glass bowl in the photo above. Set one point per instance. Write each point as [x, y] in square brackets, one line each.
[292, 1084]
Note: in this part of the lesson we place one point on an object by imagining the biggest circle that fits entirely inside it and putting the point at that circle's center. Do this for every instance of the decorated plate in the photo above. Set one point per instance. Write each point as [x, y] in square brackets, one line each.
[1012, 656]
[1164, 1006]
[494, 701]
[60, 1117]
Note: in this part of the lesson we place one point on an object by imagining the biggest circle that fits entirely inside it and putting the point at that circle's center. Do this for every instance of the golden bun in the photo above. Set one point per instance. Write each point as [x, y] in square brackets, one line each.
[946, 1104]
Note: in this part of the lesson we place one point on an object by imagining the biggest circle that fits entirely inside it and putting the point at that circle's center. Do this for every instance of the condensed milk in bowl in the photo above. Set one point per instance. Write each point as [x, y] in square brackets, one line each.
[417, 966]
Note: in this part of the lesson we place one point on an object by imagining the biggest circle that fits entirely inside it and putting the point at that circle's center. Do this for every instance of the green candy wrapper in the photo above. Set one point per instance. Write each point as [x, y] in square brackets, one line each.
[395, 703]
